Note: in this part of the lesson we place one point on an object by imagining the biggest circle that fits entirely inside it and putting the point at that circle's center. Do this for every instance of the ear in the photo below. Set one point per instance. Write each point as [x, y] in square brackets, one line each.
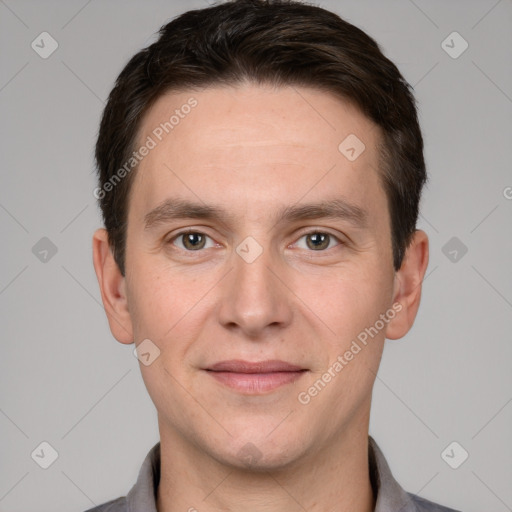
[407, 287]
[112, 287]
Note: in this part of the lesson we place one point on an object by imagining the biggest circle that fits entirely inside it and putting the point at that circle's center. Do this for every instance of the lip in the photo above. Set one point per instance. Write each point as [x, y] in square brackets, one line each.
[255, 377]
[240, 366]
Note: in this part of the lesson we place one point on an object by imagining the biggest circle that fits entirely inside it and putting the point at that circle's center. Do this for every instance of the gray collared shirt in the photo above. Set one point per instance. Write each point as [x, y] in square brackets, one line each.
[390, 496]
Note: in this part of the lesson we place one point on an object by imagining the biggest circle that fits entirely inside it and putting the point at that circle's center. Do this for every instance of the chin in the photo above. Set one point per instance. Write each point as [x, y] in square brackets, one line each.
[262, 453]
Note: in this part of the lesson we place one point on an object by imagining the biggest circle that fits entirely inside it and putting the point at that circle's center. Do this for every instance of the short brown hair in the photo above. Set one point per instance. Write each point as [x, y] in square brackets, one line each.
[278, 42]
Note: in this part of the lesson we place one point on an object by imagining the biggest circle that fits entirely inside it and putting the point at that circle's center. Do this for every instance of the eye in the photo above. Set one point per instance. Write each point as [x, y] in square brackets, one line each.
[191, 240]
[319, 241]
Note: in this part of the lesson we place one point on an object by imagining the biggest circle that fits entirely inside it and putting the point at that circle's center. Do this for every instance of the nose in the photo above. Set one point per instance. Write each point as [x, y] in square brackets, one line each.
[255, 301]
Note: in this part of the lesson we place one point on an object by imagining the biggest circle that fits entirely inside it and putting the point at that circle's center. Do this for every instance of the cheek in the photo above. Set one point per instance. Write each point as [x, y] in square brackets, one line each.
[165, 304]
[351, 305]
[152, 302]
[147, 302]
[354, 298]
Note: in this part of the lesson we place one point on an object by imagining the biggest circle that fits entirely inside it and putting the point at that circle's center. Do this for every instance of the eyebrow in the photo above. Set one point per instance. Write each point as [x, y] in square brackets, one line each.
[176, 208]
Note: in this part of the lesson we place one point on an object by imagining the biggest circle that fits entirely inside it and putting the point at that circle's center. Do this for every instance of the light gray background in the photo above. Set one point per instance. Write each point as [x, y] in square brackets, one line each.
[65, 380]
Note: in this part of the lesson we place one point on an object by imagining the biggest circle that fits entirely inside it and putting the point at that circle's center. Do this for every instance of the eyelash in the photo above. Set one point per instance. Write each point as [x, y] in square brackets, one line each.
[313, 232]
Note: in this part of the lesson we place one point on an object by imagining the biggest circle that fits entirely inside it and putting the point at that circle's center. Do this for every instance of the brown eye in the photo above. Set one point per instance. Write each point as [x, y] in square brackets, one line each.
[191, 241]
[318, 241]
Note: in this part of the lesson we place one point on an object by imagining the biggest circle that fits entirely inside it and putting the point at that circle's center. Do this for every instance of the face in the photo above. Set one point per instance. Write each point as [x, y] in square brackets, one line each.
[257, 254]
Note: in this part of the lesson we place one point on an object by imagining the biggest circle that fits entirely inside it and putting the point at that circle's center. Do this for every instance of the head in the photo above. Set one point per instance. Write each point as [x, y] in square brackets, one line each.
[287, 146]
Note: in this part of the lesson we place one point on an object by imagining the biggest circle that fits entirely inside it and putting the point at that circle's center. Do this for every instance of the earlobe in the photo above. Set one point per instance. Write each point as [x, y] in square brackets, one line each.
[408, 283]
[112, 287]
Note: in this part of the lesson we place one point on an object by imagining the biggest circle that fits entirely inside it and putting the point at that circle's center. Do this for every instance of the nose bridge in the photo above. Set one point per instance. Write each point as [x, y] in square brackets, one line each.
[254, 299]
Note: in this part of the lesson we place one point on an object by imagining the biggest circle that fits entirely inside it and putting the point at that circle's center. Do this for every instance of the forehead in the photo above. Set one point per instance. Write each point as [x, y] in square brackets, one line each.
[258, 146]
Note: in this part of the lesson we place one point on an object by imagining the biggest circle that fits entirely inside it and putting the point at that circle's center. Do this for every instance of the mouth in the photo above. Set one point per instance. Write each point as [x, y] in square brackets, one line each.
[255, 378]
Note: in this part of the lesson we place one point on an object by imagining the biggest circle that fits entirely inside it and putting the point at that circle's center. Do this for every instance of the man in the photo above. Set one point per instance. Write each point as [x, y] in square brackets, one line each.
[260, 168]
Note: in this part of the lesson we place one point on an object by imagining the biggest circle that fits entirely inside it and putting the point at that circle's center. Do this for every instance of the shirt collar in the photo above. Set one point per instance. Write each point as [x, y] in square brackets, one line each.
[390, 496]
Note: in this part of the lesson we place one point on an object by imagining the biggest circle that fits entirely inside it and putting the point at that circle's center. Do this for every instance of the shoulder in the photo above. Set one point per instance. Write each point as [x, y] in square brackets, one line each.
[118, 505]
[423, 505]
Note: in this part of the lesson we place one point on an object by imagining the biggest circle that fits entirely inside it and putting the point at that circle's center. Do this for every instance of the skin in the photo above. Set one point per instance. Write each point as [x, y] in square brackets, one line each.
[253, 150]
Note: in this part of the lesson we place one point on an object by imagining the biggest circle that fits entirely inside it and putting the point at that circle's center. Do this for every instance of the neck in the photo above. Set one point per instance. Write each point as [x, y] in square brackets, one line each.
[336, 478]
